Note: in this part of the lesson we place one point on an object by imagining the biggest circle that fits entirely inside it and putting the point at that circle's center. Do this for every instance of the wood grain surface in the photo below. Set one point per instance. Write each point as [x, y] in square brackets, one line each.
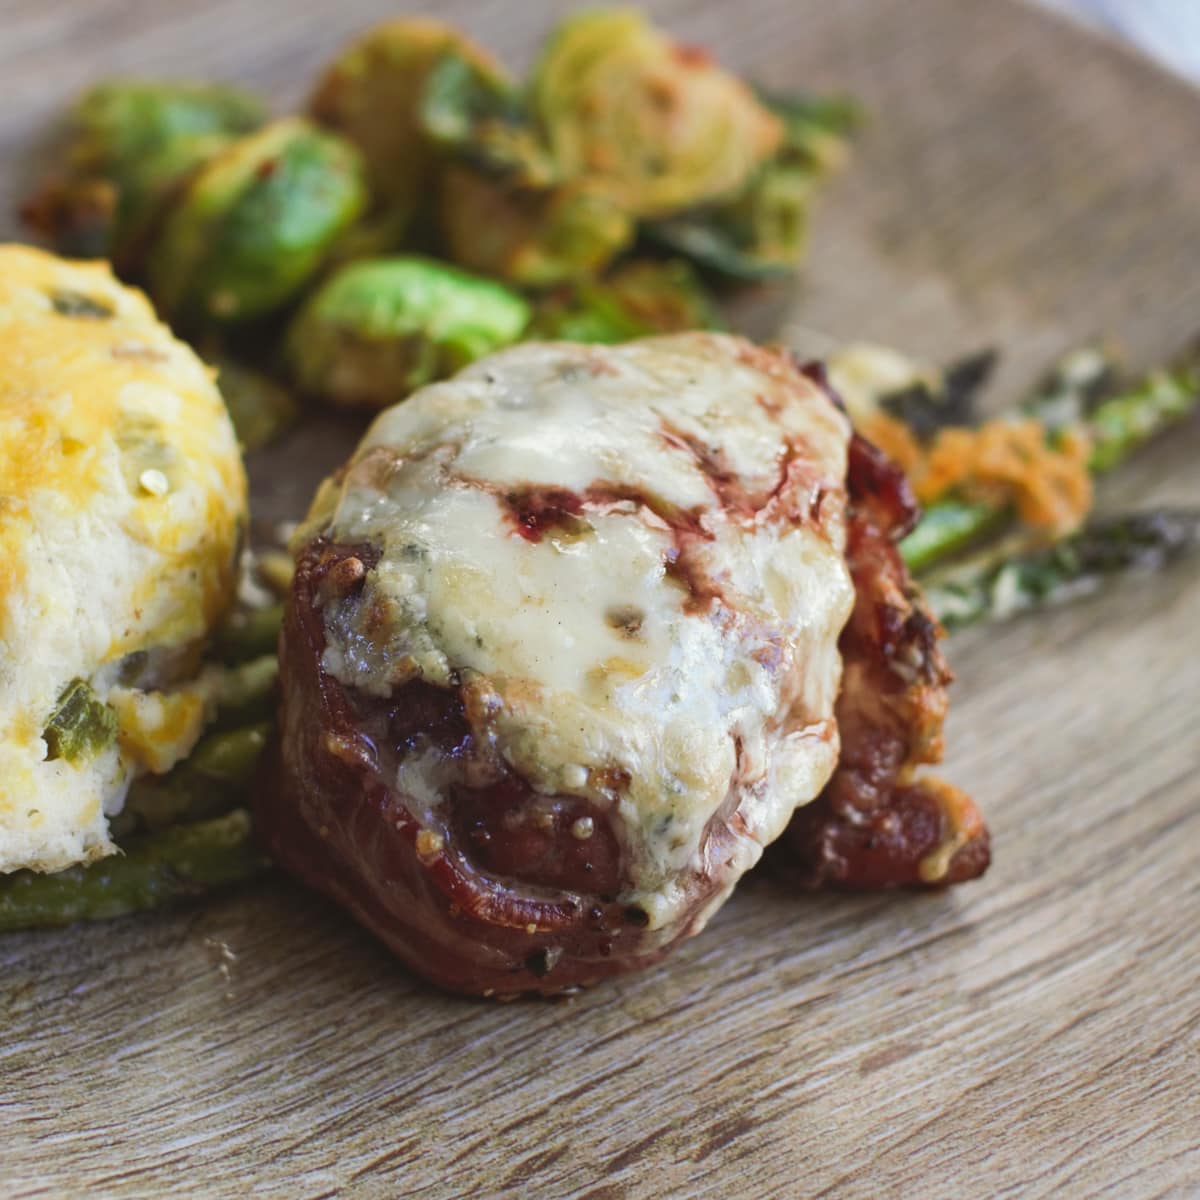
[1035, 1034]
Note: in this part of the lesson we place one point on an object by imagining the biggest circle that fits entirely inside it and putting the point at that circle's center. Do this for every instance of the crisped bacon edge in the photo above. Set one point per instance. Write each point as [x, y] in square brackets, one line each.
[876, 825]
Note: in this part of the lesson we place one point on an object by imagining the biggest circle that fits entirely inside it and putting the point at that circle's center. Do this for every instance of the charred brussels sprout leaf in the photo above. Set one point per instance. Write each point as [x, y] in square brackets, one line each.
[659, 124]
[372, 95]
[483, 120]
[255, 223]
[637, 300]
[761, 233]
[81, 726]
[378, 329]
[507, 208]
[816, 128]
[529, 235]
[131, 143]
[925, 409]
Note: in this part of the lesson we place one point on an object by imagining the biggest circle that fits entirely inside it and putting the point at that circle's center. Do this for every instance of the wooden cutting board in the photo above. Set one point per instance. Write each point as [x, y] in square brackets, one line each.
[1035, 1034]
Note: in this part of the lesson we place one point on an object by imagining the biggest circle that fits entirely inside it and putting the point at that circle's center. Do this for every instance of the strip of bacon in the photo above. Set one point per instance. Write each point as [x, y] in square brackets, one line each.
[876, 825]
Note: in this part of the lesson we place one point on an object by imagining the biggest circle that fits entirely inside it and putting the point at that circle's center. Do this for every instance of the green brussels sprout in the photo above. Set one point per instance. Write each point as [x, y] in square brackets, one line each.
[371, 94]
[659, 123]
[638, 299]
[506, 208]
[255, 223]
[130, 144]
[761, 233]
[380, 328]
[483, 119]
[533, 236]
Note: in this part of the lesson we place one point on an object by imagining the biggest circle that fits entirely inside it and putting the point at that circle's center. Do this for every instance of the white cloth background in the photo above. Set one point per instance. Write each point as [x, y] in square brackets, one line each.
[1166, 30]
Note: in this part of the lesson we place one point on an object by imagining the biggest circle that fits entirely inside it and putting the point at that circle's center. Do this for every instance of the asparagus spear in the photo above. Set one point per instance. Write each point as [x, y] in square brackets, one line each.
[1116, 427]
[156, 868]
[1129, 543]
[1073, 387]
[948, 526]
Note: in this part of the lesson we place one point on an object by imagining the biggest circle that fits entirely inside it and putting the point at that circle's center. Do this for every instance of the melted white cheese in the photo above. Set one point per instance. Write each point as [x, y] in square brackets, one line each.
[588, 653]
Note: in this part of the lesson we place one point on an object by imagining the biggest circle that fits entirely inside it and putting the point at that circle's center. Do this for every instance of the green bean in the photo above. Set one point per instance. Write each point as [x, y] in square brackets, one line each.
[1126, 422]
[948, 526]
[155, 869]
[229, 758]
[261, 409]
[246, 691]
[1073, 387]
[249, 633]
[928, 406]
[214, 778]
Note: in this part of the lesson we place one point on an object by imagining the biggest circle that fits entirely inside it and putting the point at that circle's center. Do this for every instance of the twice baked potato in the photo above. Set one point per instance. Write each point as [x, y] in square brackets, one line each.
[124, 506]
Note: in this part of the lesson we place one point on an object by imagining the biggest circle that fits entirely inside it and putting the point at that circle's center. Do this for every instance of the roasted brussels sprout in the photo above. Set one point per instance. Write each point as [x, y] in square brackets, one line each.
[130, 144]
[660, 124]
[255, 223]
[761, 233]
[378, 329]
[371, 94]
[638, 299]
[483, 119]
[528, 235]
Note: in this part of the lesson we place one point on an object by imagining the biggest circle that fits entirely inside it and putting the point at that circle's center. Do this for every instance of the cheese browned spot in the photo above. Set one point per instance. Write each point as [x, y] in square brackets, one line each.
[630, 562]
[121, 499]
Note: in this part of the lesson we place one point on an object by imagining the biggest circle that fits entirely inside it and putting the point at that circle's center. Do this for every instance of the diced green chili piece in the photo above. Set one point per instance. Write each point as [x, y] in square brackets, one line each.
[81, 726]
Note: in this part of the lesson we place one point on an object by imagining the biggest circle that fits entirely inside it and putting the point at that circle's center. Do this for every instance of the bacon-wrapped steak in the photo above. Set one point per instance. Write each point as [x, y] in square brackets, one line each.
[876, 825]
[561, 655]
